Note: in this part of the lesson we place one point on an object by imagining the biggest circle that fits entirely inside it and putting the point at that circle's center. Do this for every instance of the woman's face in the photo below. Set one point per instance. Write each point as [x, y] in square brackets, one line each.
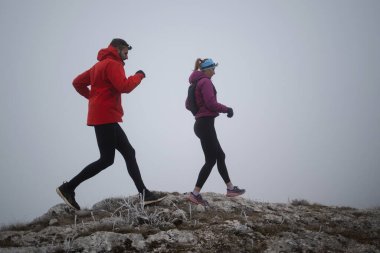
[210, 72]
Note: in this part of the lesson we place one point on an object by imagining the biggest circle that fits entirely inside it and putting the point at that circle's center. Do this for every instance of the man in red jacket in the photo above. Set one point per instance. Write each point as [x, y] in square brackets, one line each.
[107, 81]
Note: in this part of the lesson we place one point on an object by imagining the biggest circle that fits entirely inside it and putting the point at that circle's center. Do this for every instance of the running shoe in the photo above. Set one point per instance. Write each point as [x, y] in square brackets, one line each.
[235, 192]
[68, 196]
[197, 199]
[151, 197]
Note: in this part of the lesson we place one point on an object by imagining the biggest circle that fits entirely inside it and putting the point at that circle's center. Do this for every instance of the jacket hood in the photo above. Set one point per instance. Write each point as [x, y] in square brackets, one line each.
[196, 75]
[109, 52]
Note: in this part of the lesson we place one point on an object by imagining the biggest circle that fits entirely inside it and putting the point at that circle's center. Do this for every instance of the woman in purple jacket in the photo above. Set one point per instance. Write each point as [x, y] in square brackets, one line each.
[208, 110]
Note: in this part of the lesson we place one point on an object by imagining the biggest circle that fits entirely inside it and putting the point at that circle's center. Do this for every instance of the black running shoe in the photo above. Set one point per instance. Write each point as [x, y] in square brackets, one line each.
[68, 196]
[151, 197]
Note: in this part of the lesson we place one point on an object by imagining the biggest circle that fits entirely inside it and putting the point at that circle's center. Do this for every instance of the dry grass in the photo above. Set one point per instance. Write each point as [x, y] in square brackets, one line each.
[300, 202]
[14, 227]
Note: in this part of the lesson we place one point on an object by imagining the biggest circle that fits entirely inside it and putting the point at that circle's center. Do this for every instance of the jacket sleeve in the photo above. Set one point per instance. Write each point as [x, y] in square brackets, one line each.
[209, 97]
[81, 82]
[116, 75]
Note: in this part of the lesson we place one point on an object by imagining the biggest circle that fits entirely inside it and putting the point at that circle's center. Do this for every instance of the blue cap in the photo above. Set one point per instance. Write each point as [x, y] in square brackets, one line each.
[208, 64]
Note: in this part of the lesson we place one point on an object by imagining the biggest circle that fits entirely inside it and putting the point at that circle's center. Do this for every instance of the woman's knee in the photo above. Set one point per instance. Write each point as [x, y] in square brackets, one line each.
[211, 161]
[221, 156]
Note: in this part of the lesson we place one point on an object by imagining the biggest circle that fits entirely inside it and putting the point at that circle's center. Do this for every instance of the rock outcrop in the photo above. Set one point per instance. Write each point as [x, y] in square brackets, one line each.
[175, 225]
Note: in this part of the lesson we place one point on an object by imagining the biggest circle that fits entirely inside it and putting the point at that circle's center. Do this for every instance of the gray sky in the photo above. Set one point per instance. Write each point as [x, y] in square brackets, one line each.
[301, 76]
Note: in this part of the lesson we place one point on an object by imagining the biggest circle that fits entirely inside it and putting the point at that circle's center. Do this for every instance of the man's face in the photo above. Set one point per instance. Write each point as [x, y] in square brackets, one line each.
[124, 53]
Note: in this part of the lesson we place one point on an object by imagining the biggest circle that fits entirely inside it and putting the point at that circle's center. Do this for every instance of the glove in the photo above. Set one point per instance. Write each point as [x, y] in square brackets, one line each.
[141, 72]
[230, 112]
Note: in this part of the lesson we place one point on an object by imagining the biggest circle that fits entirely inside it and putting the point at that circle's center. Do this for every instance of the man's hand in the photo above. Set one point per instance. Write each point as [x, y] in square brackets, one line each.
[141, 72]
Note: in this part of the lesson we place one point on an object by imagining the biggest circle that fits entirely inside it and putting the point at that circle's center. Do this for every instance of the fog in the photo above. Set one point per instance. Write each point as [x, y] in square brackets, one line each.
[301, 76]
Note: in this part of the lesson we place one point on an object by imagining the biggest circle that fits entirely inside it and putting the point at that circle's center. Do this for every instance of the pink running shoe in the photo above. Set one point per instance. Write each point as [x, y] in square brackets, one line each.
[197, 199]
[235, 192]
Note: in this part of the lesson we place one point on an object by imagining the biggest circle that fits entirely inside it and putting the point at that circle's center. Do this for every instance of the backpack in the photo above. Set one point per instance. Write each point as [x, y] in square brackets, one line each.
[192, 103]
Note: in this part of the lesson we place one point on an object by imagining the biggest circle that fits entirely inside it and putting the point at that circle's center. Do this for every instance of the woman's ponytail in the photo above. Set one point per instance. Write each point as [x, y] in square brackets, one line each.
[197, 64]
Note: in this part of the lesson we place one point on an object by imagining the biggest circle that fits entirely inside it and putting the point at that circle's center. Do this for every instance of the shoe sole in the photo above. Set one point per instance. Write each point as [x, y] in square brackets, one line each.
[196, 202]
[231, 195]
[153, 201]
[193, 201]
[65, 200]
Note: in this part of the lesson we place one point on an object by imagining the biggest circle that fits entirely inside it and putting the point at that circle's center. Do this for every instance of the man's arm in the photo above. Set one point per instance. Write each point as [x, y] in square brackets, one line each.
[81, 82]
[116, 75]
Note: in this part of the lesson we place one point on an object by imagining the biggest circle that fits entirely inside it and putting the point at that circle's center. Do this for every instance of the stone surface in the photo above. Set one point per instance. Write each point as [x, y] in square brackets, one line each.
[175, 225]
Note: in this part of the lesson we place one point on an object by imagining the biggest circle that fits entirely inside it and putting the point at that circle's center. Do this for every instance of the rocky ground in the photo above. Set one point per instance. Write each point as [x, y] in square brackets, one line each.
[175, 225]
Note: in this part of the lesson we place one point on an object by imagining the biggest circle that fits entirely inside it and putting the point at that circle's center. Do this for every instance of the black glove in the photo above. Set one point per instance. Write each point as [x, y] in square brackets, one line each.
[230, 112]
[140, 72]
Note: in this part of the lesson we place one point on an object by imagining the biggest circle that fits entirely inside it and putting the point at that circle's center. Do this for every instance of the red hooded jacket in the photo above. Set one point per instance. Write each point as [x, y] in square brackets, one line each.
[108, 81]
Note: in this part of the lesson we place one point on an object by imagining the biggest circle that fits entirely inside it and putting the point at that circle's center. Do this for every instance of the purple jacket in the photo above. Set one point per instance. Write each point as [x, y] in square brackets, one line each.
[205, 96]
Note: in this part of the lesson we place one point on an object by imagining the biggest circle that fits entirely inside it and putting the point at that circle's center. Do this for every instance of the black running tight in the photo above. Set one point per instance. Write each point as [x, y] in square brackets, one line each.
[111, 137]
[205, 130]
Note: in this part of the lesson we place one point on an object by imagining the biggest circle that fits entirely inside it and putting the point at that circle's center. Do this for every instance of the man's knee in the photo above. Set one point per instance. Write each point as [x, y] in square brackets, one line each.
[130, 154]
[107, 161]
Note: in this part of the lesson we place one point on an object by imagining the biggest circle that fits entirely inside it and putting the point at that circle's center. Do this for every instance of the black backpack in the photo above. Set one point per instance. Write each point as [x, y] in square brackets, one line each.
[191, 98]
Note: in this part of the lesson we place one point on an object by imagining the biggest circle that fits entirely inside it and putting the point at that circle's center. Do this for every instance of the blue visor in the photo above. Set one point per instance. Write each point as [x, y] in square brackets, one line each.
[208, 64]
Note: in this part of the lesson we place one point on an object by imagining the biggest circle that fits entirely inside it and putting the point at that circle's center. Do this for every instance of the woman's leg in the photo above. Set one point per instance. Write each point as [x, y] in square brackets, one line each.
[222, 168]
[204, 129]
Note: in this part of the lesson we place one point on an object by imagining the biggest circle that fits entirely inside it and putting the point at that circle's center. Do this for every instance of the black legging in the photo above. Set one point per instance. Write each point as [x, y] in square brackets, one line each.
[111, 137]
[205, 130]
